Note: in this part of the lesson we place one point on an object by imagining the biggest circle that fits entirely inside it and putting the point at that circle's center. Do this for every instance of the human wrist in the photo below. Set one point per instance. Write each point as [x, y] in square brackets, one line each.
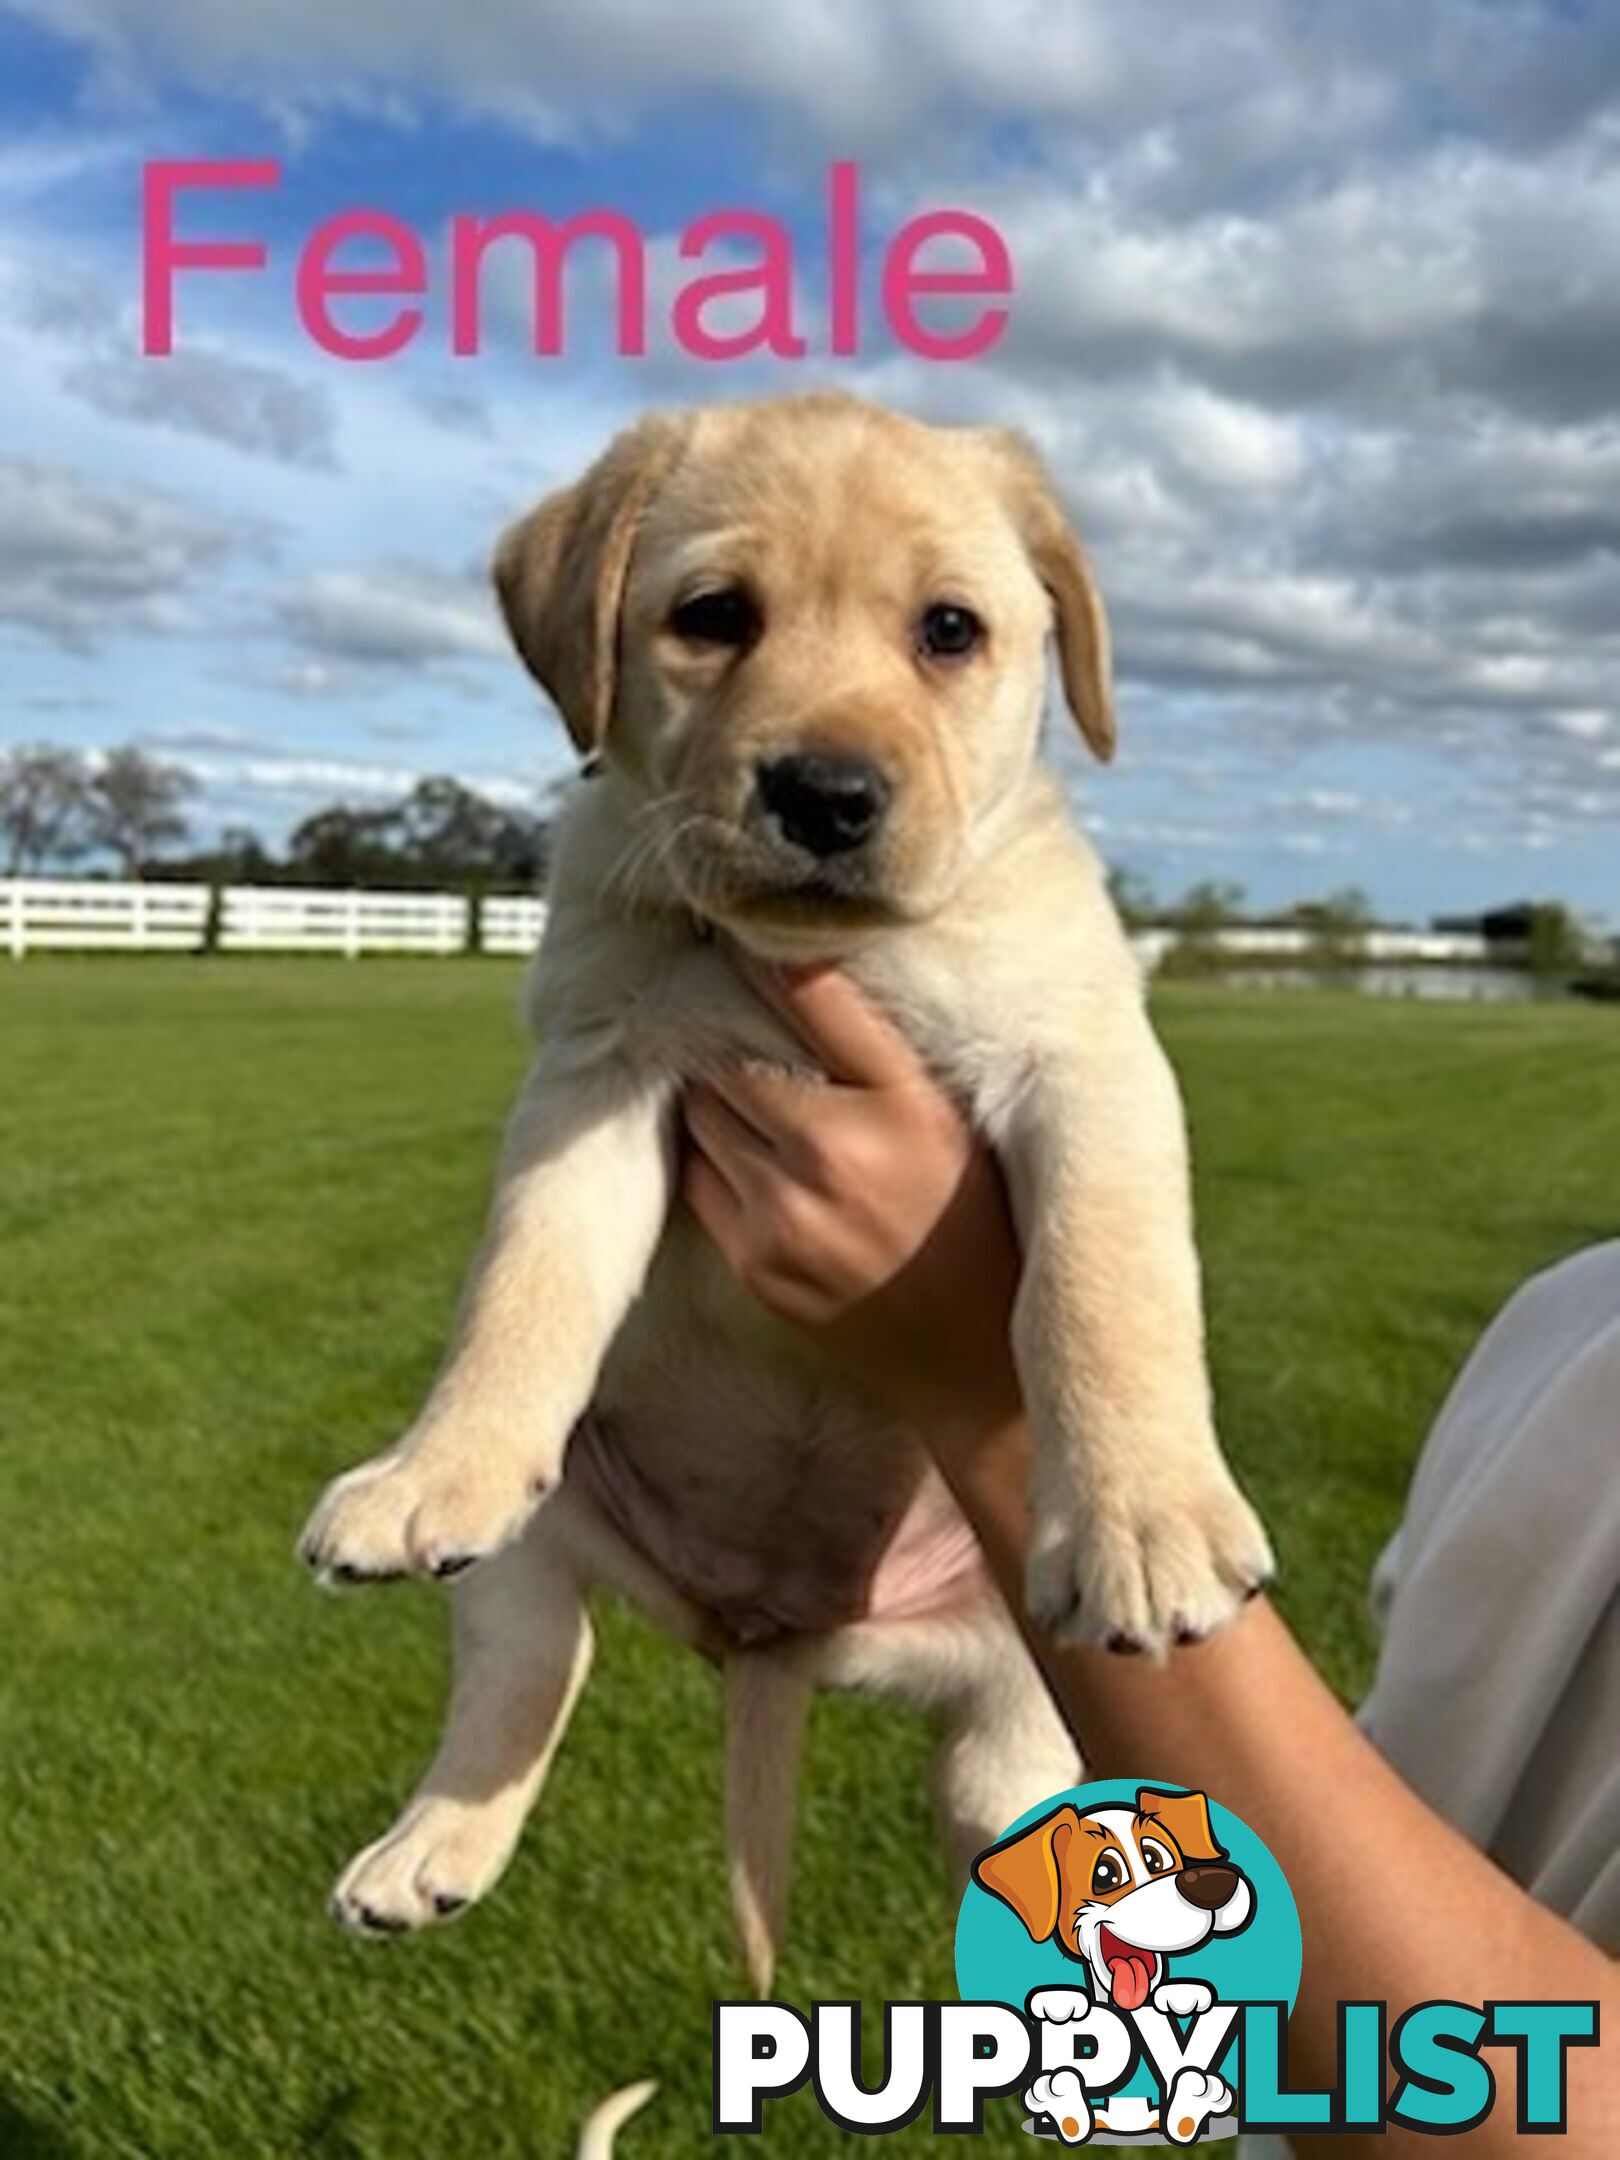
[979, 1443]
[956, 1412]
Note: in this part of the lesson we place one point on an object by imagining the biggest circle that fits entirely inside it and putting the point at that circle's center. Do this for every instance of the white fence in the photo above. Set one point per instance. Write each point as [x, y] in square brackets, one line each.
[510, 926]
[91, 915]
[87, 915]
[312, 919]
[1285, 942]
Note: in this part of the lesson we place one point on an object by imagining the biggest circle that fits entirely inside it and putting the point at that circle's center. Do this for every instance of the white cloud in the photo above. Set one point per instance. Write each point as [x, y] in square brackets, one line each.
[86, 336]
[82, 561]
[288, 782]
[844, 68]
[398, 615]
[1224, 444]
[203, 391]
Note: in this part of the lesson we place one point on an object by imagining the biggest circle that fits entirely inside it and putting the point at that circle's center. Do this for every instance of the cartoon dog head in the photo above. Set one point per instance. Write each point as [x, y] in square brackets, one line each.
[1119, 1889]
[806, 640]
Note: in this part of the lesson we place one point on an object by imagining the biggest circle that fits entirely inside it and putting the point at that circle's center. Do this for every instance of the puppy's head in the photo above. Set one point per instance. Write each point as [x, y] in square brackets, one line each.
[1119, 1889]
[810, 635]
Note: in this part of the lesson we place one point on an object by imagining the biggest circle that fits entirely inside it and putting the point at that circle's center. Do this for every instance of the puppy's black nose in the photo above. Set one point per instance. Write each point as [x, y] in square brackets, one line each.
[1208, 1885]
[823, 803]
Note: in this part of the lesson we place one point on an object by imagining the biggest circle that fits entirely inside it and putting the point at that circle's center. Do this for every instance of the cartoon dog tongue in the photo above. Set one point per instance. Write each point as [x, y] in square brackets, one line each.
[1130, 1972]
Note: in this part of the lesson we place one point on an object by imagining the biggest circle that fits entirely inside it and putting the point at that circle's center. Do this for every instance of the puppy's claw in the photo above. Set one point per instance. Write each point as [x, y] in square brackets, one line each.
[376, 1923]
[1140, 1580]
[438, 1859]
[345, 1575]
[420, 1511]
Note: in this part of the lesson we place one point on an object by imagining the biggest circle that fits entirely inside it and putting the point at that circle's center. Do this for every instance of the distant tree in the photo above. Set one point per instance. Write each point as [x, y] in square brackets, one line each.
[44, 806]
[1338, 927]
[135, 806]
[522, 852]
[238, 857]
[1553, 942]
[441, 833]
[242, 857]
[1202, 912]
[445, 828]
[344, 846]
[1210, 905]
[453, 835]
[1132, 895]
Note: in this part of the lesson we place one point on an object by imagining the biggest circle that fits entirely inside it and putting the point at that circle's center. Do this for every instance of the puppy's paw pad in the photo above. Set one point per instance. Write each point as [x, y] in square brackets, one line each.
[439, 1858]
[1134, 1579]
[405, 1515]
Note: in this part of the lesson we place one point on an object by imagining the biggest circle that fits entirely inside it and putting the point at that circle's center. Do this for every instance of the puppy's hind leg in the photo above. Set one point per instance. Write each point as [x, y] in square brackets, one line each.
[522, 1649]
[1005, 1747]
[767, 1706]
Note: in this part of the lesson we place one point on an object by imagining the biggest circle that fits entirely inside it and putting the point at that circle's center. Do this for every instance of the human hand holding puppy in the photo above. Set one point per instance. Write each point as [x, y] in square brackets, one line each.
[865, 1209]
[862, 1208]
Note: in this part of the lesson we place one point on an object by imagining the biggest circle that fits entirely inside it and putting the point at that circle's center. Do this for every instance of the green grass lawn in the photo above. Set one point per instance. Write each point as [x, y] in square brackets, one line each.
[236, 1198]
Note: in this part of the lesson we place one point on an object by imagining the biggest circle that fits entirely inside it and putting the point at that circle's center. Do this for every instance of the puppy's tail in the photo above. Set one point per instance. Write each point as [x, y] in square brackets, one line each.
[596, 2139]
[767, 1704]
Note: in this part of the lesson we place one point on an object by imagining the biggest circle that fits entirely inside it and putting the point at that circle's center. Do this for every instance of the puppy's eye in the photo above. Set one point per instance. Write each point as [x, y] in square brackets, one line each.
[725, 616]
[947, 632]
[1107, 1875]
[1155, 1859]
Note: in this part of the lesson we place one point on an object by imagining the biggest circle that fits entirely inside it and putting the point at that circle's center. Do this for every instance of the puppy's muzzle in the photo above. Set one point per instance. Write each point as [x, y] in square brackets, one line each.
[1209, 1887]
[823, 803]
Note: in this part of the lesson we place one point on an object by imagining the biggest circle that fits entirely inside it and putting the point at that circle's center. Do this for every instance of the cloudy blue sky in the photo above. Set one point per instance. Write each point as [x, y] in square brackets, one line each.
[1317, 318]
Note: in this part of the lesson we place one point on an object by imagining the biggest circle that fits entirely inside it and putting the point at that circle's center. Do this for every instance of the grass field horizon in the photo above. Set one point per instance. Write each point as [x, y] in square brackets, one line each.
[237, 1197]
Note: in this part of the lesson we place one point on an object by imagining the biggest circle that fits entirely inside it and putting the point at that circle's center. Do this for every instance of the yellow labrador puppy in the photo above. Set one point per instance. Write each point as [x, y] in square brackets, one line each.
[805, 642]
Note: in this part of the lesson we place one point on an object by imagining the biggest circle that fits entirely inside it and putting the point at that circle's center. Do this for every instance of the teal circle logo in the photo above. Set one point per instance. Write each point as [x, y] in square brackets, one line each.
[1142, 1899]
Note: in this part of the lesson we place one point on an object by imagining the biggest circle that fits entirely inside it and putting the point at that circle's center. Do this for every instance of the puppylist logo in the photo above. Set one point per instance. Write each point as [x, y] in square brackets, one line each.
[1128, 1955]
[1124, 1889]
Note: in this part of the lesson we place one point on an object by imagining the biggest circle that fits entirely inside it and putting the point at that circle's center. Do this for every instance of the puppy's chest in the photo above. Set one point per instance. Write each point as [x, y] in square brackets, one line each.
[973, 1013]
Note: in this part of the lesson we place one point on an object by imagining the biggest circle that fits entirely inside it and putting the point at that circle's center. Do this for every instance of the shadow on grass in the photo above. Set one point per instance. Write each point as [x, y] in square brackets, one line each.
[327, 2130]
[24, 2137]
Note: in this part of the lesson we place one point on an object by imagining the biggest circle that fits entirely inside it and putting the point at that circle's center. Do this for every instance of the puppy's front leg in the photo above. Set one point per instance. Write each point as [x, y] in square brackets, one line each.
[583, 1191]
[1141, 1535]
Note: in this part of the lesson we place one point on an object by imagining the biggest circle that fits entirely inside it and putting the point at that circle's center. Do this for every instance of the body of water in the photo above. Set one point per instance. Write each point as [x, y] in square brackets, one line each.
[1480, 985]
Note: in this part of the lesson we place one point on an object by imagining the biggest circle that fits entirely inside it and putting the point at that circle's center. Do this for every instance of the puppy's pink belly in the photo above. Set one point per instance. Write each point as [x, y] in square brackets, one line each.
[795, 1575]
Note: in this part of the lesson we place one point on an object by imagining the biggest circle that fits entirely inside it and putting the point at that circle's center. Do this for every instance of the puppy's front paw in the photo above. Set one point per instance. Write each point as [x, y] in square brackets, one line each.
[1144, 1570]
[416, 1511]
[439, 1858]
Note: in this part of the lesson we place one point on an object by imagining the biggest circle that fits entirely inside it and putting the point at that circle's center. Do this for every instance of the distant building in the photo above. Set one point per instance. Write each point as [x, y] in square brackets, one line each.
[1500, 925]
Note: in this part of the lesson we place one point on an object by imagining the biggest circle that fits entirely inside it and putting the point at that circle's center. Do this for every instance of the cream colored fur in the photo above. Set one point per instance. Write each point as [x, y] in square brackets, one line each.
[979, 921]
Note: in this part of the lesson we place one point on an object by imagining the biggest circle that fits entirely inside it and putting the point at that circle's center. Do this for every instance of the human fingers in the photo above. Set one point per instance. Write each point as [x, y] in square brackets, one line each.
[715, 1204]
[852, 1039]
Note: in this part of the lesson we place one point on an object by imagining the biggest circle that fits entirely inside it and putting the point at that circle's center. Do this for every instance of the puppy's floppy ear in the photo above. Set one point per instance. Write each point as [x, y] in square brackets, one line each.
[560, 573]
[1026, 1871]
[1186, 1817]
[1082, 627]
